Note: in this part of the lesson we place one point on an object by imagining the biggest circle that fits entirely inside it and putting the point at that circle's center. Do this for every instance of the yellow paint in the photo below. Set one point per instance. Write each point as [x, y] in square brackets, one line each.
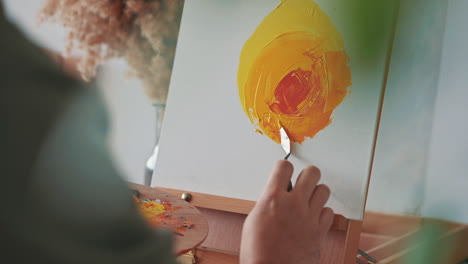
[151, 209]
[293, 71]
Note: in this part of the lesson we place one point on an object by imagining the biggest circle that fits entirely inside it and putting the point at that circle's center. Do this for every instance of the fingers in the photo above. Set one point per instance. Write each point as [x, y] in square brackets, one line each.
[279, 177]
[319, 197]
[306, 182]
[326, 218]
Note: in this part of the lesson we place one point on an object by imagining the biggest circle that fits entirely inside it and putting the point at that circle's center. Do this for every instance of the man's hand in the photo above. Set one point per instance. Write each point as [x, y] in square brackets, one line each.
[287, 227]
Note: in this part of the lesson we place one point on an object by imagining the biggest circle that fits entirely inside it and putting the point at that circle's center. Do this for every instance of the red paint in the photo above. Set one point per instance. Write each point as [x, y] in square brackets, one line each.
[169, 208]
[291, 91]
[177, 224]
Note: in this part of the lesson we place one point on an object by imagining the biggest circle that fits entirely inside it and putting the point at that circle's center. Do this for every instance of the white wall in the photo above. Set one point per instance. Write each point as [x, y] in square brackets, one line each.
[447, 168]
[132, 116]
[399, 172]
[421, 163]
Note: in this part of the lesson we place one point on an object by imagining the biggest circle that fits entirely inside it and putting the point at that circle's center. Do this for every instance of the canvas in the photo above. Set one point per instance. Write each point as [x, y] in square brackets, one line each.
[243, 69]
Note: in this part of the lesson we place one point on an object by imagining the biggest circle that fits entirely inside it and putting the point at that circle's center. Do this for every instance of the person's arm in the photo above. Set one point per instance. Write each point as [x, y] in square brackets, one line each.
[81, 195]
[287, 227]
[62, 199]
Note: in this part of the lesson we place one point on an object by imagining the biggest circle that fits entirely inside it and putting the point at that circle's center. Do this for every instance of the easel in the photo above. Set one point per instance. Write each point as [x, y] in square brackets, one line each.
[385, 237]
[226, 216]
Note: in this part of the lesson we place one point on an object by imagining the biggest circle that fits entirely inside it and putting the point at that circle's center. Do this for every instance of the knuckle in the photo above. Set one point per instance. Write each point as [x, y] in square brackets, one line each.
[284, 164]
[269, 195]
[328, 211]
[326, 217]
[323, 189]
[273, 204]
[312, 171]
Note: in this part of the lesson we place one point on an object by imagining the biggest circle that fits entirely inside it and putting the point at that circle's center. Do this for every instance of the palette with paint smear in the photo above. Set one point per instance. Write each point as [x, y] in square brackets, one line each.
[163, 210]
[160, 214]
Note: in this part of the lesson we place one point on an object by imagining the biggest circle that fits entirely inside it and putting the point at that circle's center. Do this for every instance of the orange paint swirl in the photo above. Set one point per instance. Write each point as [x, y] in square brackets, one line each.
[293, 71]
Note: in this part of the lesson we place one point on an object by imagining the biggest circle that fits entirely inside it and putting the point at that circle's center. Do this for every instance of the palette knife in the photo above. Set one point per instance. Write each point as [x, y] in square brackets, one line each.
[286, 144]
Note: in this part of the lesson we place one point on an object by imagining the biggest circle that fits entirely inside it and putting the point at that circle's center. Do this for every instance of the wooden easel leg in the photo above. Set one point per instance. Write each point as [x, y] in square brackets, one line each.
[353, 236]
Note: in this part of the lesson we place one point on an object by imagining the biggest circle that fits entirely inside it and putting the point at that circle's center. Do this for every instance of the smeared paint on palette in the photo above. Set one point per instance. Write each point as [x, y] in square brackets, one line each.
[158, 214]
[293, 71]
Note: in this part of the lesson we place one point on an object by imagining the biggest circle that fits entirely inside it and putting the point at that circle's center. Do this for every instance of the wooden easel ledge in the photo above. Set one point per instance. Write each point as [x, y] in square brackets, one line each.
[239, 206]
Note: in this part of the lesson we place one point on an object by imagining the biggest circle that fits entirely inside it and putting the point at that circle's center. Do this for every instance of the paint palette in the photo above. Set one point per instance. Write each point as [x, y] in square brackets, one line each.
[163, 210]
[159, 214]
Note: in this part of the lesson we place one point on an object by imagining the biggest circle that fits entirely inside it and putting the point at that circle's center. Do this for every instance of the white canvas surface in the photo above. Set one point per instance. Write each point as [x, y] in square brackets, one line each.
[208, 144]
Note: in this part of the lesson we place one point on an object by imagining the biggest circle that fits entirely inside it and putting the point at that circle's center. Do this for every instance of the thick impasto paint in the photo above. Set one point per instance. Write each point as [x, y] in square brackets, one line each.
[158, 214]
[293, 71]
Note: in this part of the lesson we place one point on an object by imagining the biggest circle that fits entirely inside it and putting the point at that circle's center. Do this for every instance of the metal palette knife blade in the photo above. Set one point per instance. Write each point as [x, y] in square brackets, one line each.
[286, 144]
